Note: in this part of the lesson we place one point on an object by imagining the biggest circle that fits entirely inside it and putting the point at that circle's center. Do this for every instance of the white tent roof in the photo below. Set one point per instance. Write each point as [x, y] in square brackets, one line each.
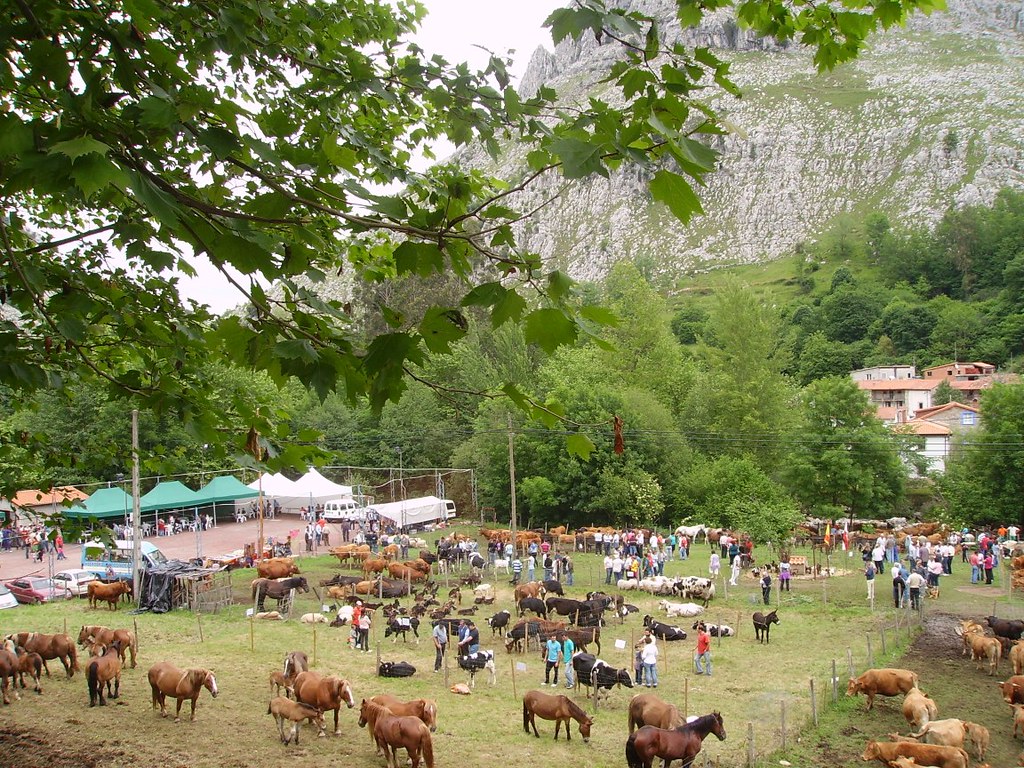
[426, 509]
[312, 487]
[319, 487]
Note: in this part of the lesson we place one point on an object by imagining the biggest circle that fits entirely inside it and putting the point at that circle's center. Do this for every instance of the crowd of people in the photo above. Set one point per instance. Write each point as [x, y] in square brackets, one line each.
[35, 540]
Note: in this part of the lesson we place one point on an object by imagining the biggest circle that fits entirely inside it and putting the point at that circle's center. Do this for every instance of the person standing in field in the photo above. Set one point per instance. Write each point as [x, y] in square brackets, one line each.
[440, 637]
[703, 650]
[869, 574]
[714, 565]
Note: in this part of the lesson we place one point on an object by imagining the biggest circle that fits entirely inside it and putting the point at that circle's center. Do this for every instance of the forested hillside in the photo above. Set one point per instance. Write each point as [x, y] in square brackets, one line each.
[735, 400]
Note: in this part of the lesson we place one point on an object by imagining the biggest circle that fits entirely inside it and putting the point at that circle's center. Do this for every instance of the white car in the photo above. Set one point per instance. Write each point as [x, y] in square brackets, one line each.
[75, 581]
[7, 598]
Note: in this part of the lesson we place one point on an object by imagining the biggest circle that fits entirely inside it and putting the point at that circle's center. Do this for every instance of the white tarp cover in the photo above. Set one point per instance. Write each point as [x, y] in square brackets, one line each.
[312, 487]
[427, 509]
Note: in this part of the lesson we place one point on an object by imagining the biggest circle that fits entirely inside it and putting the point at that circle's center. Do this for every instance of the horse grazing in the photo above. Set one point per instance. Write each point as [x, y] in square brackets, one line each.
[763, 624]
[50, 647]
[559, 708]
[101, 671]
[278, 590]
[285, 709]
[105, 636]
[650, 709]
[108, 593]
[392, 733]
[682, 743]
[165, 680]
[324, 693]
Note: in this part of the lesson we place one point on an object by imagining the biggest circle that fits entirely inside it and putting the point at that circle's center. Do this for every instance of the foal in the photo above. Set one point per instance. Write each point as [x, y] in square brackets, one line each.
[285, 709]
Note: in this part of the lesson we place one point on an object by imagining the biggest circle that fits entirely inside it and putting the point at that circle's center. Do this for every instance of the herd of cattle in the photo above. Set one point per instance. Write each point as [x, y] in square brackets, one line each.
[944, 743]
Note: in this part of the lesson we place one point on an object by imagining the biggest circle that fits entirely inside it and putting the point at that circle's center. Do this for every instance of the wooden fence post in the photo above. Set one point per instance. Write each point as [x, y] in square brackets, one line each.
[871, 654]
[835, 684]
[814, 705]
[783, 718]
[686, 697]
[750, 745]
[882, 631]
[849, 661]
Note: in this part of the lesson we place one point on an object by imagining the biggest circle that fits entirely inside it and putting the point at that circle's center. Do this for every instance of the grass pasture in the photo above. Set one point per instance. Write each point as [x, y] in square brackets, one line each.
[750, 683]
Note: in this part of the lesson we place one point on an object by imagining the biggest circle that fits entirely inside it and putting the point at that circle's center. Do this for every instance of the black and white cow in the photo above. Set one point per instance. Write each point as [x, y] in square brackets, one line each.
[473, 663]
[499, 621]
[695, 588]
[592, 671]
[664, 631]
[716, 630]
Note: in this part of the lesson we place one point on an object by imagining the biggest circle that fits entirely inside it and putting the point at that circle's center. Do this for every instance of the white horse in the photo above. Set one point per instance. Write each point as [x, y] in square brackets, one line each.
[692, 532]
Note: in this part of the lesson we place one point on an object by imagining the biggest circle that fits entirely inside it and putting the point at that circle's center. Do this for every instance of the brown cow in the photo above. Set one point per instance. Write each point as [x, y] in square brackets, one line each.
[1017, 657]
[529, 589]
[402, 572]
[918, 709]
[108, 593]
[984, 649]
[276, 568]
[978, 735]
[947, 733]
[1013, 689]
[882, 682]
[374, 565]
[1018, 719]
[887, 752]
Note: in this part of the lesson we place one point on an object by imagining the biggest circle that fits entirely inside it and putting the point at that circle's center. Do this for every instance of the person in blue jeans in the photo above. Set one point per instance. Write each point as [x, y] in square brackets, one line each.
[568, 649]
[551, 655]
[649, 657]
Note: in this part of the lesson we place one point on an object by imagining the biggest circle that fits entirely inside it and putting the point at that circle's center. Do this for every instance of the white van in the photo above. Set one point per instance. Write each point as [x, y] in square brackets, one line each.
[449, 508]
[97, 556]
[337, 510]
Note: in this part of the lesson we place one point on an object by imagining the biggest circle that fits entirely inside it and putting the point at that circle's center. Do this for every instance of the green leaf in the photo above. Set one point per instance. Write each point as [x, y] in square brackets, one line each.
[297, 349]
[423, 259]
[222, 142]
[673, 190]
[84, 145]
[579, 445]
[485, 295]
[517, 397]
[579, 158]
[440, 327]
[511, 306]
[600, 315]
[157, 113]
[559, 285]
[549, 329]
[94, 172]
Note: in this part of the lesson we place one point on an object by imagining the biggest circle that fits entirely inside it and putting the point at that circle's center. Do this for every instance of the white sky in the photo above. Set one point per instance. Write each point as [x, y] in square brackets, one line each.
[454, 29]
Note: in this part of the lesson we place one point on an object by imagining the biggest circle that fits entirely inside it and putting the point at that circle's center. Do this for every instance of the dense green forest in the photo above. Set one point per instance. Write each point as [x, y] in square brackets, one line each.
[734, 397]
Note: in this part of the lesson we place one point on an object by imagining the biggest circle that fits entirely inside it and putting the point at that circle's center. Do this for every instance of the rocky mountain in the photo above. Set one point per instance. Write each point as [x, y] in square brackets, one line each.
[929, 117]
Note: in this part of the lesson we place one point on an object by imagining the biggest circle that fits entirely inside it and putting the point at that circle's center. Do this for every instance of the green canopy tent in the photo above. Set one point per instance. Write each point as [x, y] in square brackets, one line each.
[168, 495]
[226, 488]
[104, 503]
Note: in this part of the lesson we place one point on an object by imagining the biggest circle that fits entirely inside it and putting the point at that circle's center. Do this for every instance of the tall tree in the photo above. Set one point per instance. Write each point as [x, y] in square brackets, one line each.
[843, 457]
[744, 399]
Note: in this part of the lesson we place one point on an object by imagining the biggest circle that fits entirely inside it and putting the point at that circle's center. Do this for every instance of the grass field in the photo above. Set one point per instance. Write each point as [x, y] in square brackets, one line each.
[821, 622]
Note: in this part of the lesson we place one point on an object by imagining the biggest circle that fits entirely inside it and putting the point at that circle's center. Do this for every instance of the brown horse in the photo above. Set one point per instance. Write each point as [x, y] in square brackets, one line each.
[276, 590]
[682, 743]
[165, 680]
[424, 709]
[285, 709]
[101, 671]
[105, 636]
[8, 672]
[109, 593]
[559, 708]
[324, 693]
[276, 568]
[650, 709]
[27, 662]
[49, 647]
[393, 733]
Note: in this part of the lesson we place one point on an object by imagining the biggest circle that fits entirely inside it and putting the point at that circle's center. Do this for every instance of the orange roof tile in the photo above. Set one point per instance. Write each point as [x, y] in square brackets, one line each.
[927, 413]
[898, 385]
[922, 427]
[37, 498]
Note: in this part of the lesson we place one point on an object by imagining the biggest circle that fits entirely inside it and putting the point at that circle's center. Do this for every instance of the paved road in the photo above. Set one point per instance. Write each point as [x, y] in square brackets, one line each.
[223, 538]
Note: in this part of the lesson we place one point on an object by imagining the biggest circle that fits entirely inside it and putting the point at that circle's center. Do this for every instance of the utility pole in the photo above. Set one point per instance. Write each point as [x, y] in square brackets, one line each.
[512, 476]
[136, 511]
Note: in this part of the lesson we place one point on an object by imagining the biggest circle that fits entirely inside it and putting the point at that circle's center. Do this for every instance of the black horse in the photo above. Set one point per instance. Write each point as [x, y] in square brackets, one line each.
[277, 589]
[763, 624]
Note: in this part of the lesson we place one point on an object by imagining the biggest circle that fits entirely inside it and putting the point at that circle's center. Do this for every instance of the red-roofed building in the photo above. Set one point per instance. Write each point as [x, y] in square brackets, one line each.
[899, 400]
[34, 503]
[939, 427]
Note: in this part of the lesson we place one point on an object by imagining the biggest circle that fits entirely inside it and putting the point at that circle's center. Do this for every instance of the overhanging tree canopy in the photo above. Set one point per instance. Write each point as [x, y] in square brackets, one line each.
[257, 135]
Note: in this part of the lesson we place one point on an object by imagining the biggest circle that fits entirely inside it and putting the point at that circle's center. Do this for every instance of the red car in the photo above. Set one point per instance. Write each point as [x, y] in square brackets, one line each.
[35, 590]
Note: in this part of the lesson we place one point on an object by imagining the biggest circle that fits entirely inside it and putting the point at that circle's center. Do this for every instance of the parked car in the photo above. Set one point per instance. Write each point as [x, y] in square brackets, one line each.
[33, 590]
[75, 580]
[7, 598]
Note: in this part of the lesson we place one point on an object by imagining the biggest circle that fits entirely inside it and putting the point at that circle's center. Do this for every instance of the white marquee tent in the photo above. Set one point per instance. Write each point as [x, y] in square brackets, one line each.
[311, 488]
